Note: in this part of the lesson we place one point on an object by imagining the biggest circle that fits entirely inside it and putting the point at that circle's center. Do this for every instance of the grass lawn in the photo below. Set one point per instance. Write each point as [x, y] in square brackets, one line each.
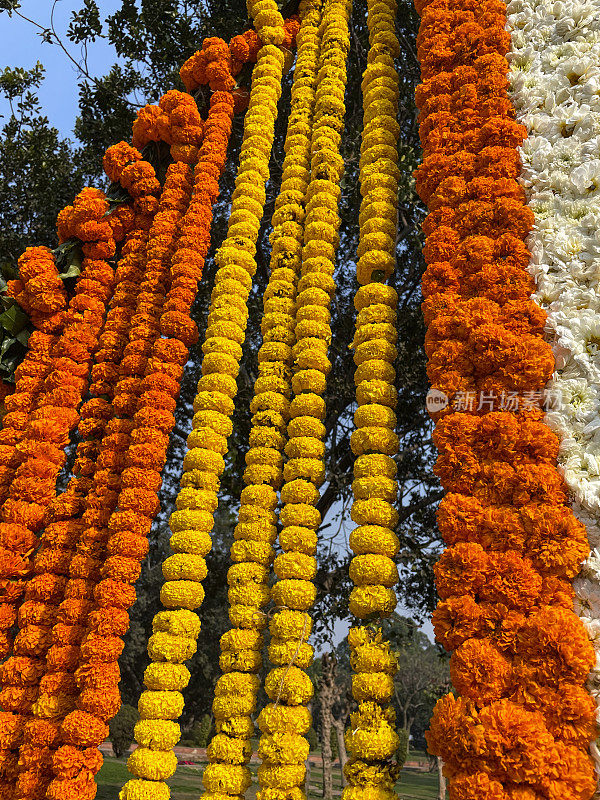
[186, 784]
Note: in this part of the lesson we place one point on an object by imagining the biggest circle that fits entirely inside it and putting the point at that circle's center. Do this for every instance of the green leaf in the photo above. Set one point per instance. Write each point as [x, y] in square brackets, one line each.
[6, 343]
[13, 319]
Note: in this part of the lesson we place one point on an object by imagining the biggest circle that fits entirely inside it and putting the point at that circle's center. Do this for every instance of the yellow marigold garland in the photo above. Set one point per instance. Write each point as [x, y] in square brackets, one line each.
[176, 629]
[252, 552]
[267, 20]
[371, 739]
[283, 747]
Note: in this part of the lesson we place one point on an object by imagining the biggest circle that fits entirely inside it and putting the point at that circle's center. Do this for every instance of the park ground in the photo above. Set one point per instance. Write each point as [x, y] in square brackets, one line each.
[416, 782]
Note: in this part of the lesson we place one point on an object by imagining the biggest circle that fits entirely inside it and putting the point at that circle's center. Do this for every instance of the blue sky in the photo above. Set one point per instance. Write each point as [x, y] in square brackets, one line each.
[21, 46]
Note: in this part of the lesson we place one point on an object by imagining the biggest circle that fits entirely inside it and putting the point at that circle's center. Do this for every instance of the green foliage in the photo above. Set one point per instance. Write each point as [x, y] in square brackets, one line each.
[121, 729]
[200, 731]
[38, 169]
[402, 751]
[335, 750]
[313, 739]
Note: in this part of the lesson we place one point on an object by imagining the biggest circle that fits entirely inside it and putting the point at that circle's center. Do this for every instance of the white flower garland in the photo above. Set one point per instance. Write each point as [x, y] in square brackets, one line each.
[555, 88]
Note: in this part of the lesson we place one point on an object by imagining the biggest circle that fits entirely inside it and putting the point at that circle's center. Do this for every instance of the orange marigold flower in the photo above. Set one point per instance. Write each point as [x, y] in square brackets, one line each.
[518, 743]
[480, 672]
[462, 569]
[456, 734]
[554, 642]
[476, 787]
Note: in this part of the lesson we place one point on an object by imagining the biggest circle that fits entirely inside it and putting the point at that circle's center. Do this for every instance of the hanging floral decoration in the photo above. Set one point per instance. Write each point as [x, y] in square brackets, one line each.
[521, 656]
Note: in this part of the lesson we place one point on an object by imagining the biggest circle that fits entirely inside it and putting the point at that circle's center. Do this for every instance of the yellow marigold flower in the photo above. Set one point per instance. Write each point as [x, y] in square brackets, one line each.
[376, 391]
[368, 793]
[378, 370]
[236, 683]
[201, 479]
[191, 519]
[373, 569]
[295, 537]
[184, 567]
[276, 718]
[375, 486]
[182, 594]
[167, 647]
[284, 776]
[193, 542]
[374, 440]
[288, 651]
[226, 778]
[136, 789]
[259, 495]
[295, 566]
[160, 705]
[301, 514]
[289, 624]
[189, 497]
[372, 599]
[371, 464]
[373, 744]
[377, 686]
[233, 705]
[305, 447]
[379, 349]
[157, 734]
[374, 512]
[243, 573]
[289, 685]
[306, 427]
[255, 594]
[229, 750]
[240, 660]
[239, 726]
[283, 748]
[243, 550]
[374, 539]
[374, 415]
[373, 657]
[311, 468]
[154, 765]
[296, 594]
[166, 677]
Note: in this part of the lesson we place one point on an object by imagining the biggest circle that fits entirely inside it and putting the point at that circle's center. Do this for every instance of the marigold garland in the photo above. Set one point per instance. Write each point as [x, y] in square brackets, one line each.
[371, 739]
[37, 454]
[521, 654]
[57, 558]
[283, 747]
[148, 403]
[176, 629]
[252, 552]
[162, 702]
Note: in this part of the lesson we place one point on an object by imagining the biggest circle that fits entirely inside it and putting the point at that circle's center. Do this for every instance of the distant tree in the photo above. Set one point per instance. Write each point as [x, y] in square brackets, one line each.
[121, 729]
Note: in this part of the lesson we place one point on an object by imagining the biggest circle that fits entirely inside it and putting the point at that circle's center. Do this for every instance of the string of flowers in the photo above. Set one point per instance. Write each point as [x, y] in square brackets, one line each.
[371, 739]
[138, 441]
[283, 747]
[38, 454]
[54, 562]
[559, 56]
[176, 629]
[522, 724]
[175, 633]
[252, 551]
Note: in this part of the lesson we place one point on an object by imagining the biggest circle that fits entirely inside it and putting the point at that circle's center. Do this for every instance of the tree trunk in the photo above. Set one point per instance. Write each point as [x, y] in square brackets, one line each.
[339, 729]
[442, 780]
[307, 778]
[326, 697]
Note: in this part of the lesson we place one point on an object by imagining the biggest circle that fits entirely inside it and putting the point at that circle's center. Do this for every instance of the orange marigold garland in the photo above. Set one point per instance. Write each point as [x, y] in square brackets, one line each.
[523, 724]
[97, 676]
[65, 545]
